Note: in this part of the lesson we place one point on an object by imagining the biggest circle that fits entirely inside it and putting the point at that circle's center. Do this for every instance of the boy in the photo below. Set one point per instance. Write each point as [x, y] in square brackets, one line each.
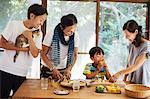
[98, 68]
[14, 73]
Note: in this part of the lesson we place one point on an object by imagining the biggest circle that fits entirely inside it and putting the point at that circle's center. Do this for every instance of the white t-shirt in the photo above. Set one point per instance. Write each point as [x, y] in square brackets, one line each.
[23, 60]
[63, 49]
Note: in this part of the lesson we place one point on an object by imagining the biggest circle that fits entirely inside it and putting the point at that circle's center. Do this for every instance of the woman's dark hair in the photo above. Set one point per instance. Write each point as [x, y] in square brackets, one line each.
[37, 10]
[95, 50]
[132, 26]
[68, 20]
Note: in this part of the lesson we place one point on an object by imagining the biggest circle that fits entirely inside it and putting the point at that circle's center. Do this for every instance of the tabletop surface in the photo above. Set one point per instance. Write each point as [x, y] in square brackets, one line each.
[32, 89]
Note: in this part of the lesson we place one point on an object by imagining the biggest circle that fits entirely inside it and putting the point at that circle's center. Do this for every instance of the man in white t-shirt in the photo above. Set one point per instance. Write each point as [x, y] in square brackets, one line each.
[60, 48]
[14, 73]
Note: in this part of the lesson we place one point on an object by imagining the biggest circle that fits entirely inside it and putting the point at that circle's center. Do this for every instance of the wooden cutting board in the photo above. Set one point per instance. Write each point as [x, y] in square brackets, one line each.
[107, 83]
[70, 83]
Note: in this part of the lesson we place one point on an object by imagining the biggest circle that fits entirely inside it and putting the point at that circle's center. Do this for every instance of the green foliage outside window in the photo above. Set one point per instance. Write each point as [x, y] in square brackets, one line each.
[111, 38]
[12, 9]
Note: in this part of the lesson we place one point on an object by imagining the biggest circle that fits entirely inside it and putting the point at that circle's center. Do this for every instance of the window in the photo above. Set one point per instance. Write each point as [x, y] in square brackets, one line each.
[111, 38]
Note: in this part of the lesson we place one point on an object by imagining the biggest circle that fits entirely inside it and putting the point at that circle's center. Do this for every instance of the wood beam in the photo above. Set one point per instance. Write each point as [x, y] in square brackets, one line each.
[97, 20]
[128, 1]
[148, 20]
[44, 4]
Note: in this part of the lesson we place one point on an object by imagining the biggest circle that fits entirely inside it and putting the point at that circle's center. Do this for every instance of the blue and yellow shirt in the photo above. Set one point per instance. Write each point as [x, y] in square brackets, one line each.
[89, 68]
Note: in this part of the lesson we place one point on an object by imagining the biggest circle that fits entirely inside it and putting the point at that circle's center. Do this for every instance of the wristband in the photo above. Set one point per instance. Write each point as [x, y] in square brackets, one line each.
[120, 73]
[52, 68]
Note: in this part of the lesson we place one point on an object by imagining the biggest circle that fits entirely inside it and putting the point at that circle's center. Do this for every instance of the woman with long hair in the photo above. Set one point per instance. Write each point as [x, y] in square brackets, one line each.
[138, 66]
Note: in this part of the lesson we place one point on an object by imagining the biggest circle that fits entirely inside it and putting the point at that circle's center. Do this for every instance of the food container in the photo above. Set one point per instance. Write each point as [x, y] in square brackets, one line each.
[137, 91]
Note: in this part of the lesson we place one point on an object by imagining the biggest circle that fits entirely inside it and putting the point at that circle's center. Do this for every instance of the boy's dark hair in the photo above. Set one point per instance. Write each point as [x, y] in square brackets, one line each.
[37, 10]
[68, 20]
[95, 50]
[132, 26]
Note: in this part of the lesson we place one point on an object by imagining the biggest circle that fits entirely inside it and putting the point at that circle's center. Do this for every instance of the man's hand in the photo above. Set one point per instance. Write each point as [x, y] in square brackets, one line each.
[67, 72]
[56, 74]
[27, 34]
[32, 45]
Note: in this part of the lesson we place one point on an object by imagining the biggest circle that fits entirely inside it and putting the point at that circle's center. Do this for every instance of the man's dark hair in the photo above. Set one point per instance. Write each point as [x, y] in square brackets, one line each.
[95, 50]
[68, 20]
[132, 26]
[37, 10]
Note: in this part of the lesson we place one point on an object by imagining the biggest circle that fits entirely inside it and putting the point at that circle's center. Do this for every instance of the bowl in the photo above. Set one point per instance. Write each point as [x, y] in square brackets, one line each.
[137, 91]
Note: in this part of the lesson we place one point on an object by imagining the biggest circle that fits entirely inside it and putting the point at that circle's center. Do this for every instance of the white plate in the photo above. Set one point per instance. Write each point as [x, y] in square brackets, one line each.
[61, 92]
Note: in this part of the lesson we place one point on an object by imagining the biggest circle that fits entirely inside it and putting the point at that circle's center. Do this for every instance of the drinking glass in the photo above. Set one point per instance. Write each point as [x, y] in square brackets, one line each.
[76, 85]
[44, 83]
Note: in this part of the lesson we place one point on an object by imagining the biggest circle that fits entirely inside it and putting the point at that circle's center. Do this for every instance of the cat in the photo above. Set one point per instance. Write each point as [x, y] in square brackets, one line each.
[22, 41]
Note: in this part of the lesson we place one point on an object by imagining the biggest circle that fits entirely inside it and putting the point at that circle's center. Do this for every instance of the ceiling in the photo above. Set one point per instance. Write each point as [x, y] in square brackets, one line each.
[132, 1]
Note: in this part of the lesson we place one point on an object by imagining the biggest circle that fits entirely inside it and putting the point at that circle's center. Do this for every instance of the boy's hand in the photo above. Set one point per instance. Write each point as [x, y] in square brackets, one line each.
[101, 64]
[99, 67]
[27, 34]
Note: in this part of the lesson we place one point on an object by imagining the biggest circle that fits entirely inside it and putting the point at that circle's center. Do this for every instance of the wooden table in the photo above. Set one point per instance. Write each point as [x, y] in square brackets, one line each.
[31, 89]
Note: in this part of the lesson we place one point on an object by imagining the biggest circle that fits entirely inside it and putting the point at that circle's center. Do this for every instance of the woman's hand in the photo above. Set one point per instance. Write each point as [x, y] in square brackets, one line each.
[125, 77]
[67, 74]
[56, 74]
[115, 77]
